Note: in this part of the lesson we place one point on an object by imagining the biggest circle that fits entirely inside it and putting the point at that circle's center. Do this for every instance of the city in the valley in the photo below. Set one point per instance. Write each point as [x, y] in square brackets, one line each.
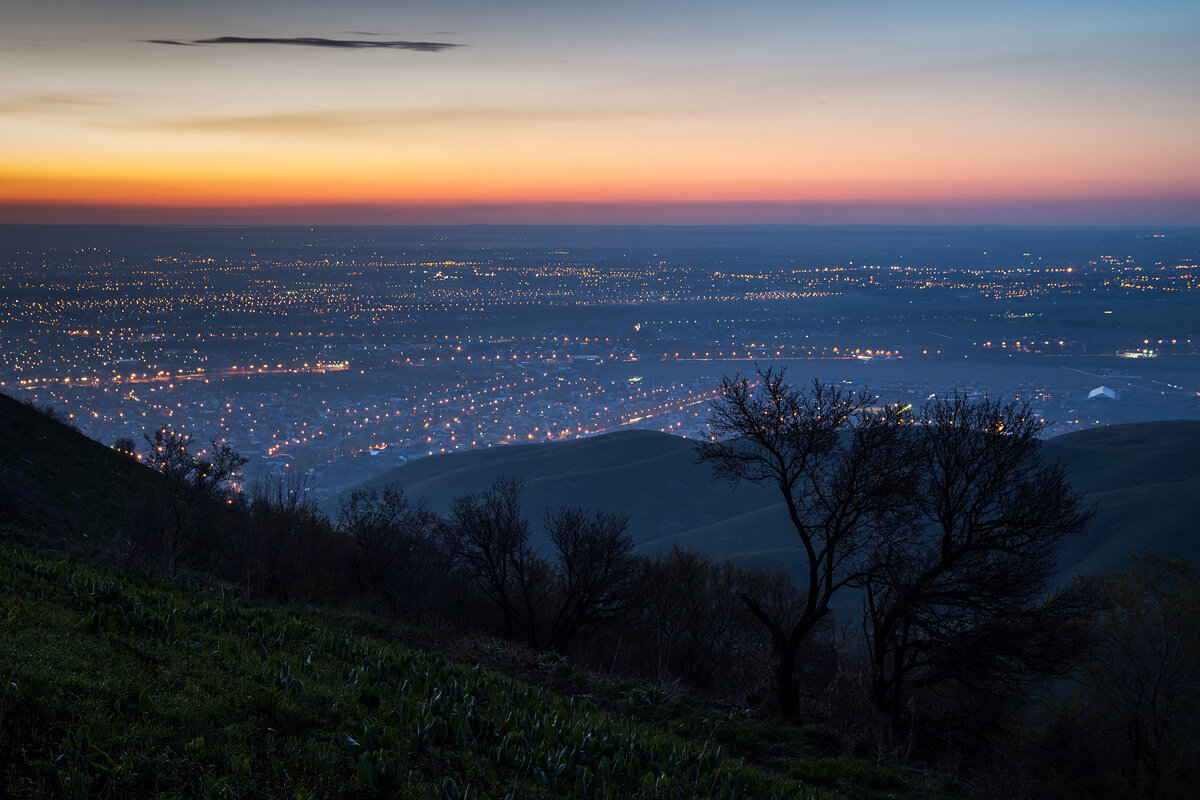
[341, 352]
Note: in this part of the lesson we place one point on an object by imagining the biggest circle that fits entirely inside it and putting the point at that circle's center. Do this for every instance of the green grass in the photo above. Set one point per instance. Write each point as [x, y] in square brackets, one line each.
[116, 686]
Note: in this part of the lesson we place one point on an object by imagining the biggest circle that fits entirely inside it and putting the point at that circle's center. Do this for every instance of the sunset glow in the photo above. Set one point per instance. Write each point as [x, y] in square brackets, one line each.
[461, 112]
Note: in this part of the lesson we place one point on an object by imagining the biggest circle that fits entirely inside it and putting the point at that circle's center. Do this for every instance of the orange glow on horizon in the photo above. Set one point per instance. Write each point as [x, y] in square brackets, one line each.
[204, 186]
[632, 105]
[603, 165]
[794, 159]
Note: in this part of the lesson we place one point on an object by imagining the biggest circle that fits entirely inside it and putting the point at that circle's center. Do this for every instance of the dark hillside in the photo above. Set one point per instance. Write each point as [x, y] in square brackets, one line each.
[1144, 479]
[1123, 456]
[115, 684]
[650, 476]
[59, 484]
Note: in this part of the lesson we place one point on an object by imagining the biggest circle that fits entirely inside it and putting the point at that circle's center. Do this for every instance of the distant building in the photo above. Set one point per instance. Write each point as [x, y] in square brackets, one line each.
[1103, 393]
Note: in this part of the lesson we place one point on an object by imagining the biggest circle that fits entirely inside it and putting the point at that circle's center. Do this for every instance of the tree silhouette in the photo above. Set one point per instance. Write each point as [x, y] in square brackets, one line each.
[596, 571]
[689, 615]
[190, 482]
[547, 604]
[959, 595]
[840, 466]
[1141, 689]
[489, 540]
[285, 534]
[396, 553]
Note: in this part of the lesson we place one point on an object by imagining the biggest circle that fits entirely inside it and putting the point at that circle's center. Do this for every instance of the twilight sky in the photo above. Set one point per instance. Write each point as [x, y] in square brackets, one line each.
[412, 111]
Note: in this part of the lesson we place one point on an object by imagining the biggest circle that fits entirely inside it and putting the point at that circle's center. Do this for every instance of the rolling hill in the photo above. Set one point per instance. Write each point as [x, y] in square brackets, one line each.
[650, 476]
[1144, 479]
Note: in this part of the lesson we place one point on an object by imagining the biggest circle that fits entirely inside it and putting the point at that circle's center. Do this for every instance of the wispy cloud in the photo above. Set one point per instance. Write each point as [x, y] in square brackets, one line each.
[51, 103]
[314, 41]
[348, 121]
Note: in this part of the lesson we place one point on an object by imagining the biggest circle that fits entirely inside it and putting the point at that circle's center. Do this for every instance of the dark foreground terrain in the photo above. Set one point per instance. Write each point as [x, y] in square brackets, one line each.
[120, 682]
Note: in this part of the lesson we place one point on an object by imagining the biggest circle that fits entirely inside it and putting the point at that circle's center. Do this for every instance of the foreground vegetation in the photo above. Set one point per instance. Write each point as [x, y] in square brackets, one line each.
[115, 686]
[118, 683]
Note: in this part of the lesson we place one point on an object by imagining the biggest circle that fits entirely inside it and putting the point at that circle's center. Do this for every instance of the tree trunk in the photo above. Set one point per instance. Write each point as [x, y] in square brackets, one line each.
[786, 648]
[785, 680]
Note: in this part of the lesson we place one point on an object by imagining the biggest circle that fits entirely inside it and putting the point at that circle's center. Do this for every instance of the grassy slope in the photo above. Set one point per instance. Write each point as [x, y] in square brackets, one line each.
[116, 685]
[56, 482]
[650, 476]
[123, 687]
[1144, 479]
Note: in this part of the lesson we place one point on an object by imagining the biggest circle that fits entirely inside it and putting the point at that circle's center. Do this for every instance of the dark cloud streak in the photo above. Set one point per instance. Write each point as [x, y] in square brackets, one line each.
[313, 41]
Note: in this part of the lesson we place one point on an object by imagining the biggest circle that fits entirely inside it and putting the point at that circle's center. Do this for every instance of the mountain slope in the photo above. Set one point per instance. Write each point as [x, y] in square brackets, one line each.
[115, 684]
[57, 483]
[1144, 479]
[650, 476]
[118, 686]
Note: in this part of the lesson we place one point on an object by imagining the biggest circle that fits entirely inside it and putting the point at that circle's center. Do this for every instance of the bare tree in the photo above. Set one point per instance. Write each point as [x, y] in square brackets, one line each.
[960, 597]
[490, 541]
[396, 551]
[545, 603]
[691, 624]
[595, 573]
[191, 481]
[689, 615]
[1141, 690]
[839, 464]
[286, 534]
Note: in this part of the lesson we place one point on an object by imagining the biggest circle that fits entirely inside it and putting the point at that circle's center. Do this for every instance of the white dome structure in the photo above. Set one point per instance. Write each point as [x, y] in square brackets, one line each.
[1103, 393]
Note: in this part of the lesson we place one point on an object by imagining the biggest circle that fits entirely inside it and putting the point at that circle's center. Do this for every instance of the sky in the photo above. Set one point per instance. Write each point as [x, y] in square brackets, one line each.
[571, 111]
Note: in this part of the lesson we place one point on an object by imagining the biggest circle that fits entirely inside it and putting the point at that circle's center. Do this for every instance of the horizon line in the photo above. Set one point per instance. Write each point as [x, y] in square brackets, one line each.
[1179, 211]
[314, 225]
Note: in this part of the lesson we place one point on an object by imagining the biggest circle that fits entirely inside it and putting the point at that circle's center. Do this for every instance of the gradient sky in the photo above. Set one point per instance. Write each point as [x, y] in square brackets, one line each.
[573, 111]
